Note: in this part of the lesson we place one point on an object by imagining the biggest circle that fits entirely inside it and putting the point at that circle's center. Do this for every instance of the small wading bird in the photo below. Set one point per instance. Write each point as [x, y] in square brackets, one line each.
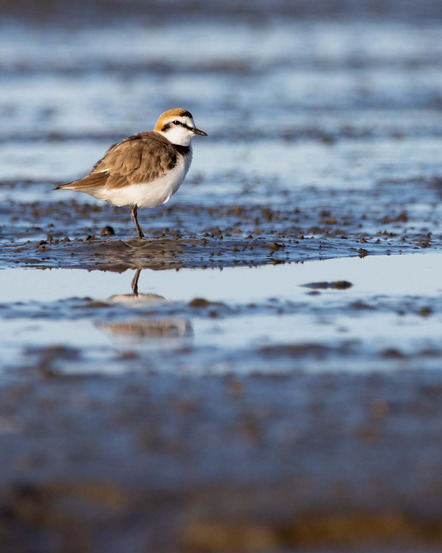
[146, 169]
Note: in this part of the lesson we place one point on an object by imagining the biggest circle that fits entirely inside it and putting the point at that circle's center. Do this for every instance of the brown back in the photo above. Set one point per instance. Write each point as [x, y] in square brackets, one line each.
[140, 158]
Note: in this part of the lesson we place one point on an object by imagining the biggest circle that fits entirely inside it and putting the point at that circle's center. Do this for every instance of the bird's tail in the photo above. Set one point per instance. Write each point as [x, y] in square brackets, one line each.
[67, 186]
[88, 182]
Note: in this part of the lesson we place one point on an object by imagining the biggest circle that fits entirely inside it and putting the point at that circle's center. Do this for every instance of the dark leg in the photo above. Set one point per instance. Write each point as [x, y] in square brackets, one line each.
[134, 283]
[133, 215]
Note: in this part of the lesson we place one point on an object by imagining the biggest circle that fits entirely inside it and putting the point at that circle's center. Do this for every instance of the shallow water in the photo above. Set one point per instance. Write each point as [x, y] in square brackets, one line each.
[307, 103]
[324, 142]
[382, 313]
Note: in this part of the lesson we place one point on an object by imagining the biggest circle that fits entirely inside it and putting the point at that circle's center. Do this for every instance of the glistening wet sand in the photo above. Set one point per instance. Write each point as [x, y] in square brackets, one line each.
[389, 218]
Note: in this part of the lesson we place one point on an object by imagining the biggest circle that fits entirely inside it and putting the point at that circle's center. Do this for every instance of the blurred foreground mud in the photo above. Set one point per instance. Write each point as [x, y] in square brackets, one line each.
[220, 464]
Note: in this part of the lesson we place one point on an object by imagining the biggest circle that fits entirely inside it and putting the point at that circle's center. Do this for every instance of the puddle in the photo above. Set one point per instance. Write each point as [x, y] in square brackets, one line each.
[303, 316]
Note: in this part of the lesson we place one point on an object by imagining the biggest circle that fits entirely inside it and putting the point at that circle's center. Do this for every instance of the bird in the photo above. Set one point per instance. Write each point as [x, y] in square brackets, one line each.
[145, 169]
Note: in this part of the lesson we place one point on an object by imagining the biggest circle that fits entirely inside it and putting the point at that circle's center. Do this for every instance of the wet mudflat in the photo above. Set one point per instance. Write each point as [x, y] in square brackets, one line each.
[297, 225]
[271, 380]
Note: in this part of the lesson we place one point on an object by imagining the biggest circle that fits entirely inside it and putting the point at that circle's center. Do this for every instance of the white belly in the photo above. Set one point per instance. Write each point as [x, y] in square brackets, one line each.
[147, 194]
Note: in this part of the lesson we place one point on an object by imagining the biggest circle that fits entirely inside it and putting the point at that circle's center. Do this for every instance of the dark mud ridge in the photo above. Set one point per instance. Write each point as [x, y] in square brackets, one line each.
[99, 10]
[118, 255]
[165, 463]
[97, 236]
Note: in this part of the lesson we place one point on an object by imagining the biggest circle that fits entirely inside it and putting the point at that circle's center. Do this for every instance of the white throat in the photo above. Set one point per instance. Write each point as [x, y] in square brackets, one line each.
[178, 136]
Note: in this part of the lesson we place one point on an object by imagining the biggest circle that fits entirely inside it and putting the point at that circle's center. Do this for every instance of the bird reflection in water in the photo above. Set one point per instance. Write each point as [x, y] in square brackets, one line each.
[146, 332]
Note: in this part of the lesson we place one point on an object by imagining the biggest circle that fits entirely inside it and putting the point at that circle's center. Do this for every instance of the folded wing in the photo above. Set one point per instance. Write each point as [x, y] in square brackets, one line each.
[139, 159]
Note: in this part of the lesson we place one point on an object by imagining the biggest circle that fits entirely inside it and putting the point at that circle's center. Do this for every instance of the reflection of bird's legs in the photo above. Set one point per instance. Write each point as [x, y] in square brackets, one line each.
[134, 283]
[133, 215]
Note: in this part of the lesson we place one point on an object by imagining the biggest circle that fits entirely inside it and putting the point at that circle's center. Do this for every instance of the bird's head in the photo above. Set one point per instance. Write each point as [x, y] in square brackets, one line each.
[177, 126]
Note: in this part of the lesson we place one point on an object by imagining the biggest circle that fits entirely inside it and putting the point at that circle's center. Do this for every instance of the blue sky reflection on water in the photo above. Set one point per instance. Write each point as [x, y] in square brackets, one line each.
[406, 275]
[394, 305]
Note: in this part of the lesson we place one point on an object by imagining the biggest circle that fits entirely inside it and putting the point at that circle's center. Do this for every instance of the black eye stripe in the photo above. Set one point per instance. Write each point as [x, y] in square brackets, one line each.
[176, 122]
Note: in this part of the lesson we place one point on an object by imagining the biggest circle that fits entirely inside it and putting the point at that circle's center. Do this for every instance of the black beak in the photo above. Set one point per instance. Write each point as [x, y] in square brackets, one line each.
[197, 131]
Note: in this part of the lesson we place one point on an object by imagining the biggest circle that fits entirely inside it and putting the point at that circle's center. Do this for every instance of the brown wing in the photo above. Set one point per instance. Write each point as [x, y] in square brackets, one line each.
[141, 158]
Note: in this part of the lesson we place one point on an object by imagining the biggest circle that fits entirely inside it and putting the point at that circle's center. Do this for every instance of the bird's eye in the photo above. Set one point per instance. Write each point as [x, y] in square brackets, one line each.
[176, 122]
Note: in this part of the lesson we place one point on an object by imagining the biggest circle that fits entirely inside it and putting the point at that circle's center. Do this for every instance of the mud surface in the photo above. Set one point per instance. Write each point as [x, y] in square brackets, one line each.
[169, 463]
[288, 399]
[400, 218]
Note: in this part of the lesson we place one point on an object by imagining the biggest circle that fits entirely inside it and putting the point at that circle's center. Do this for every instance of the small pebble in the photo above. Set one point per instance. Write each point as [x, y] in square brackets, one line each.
[107, 231]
